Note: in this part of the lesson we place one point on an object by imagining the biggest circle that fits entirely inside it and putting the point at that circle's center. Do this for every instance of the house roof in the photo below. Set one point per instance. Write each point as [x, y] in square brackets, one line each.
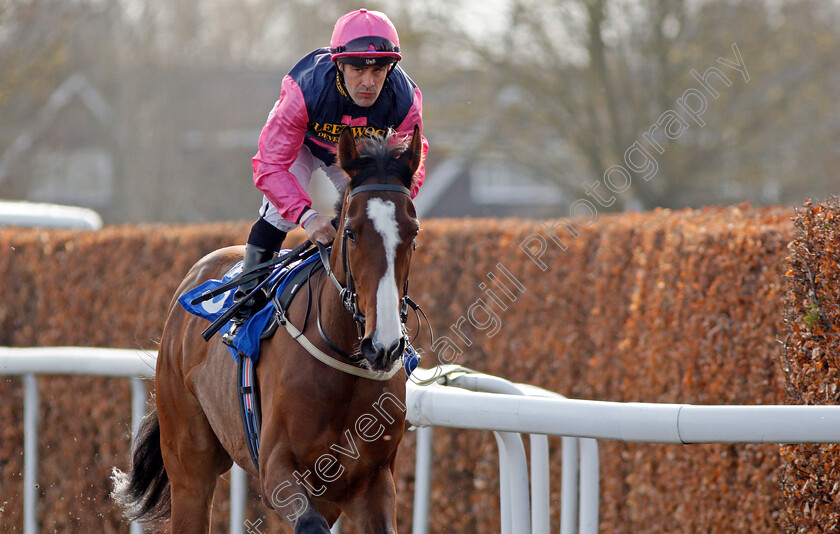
[76, 86]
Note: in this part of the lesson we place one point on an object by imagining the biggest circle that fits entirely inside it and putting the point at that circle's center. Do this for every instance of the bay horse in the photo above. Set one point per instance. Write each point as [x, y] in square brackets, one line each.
[329, 439]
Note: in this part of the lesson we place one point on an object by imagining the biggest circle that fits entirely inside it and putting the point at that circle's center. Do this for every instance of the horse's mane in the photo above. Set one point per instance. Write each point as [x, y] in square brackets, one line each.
[379, 157]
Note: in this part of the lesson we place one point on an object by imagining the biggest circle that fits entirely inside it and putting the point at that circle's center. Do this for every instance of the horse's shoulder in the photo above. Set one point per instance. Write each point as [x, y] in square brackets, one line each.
[215, 264]
[222, 256]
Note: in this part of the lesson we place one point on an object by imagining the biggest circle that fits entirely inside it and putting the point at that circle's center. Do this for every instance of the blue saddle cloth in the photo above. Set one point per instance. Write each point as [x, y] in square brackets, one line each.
[247, 340]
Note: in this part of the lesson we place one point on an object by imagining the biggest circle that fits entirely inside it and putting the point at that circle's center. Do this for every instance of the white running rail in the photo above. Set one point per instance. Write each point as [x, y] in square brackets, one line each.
[136, 365]
[503, 407]
[460, 398]
[579, 504]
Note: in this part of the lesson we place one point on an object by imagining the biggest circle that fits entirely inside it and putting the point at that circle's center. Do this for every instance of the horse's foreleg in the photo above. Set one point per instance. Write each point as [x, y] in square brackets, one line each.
[373, 508]
[285, 491]
[193, 457]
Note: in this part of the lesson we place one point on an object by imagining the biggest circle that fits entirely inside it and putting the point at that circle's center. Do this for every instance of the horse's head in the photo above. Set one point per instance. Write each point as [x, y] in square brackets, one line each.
[375, 238]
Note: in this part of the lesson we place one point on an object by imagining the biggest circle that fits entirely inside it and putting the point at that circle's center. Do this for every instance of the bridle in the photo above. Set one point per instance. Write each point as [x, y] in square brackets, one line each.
[350, 301]
[348, 295]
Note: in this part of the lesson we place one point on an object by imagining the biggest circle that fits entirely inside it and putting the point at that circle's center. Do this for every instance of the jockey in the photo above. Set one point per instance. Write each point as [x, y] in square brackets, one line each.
[355, 83]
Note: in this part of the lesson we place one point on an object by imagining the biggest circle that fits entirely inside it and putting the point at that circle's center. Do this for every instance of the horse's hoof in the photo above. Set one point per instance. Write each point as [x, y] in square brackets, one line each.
[312, 525]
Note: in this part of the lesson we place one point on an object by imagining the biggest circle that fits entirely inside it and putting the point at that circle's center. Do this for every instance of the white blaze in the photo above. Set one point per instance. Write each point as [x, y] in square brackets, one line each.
[383, 215]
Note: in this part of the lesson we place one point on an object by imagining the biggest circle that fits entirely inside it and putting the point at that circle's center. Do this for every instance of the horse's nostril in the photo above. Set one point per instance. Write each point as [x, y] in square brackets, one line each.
[378, 355]
[370, 350]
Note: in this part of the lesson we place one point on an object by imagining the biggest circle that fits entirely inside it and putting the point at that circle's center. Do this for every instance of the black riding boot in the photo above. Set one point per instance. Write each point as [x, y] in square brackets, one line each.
[253, 256]
[263, 240]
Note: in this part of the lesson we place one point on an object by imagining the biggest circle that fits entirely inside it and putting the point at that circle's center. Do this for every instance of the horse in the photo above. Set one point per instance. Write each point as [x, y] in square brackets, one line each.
[329, 439]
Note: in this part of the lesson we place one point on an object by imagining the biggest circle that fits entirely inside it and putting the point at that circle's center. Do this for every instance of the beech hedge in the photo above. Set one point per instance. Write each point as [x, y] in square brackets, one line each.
[667, 306]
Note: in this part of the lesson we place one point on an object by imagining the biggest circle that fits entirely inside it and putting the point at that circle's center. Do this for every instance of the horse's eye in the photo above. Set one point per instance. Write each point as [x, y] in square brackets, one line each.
[350, 235]
[414, 239]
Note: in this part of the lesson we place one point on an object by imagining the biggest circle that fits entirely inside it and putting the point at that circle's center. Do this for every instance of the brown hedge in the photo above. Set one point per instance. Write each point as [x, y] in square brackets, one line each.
[656, 307]
[811, 474]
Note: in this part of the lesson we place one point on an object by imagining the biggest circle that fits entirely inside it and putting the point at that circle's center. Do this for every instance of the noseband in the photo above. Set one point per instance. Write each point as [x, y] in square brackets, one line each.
[349, 297]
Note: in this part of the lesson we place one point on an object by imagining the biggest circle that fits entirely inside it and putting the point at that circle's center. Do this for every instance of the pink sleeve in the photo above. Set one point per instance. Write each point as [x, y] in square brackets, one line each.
[279, 146]
[415, 116]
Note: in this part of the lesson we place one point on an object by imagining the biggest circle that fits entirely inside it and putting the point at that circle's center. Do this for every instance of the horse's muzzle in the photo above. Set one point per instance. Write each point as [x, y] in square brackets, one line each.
[379, 357]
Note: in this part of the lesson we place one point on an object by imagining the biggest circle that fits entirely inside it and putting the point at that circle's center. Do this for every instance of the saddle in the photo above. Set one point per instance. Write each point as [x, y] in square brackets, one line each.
[284, 290]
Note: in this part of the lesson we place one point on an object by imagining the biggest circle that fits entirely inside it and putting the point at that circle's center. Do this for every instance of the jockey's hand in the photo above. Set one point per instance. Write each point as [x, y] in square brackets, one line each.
[320, 229]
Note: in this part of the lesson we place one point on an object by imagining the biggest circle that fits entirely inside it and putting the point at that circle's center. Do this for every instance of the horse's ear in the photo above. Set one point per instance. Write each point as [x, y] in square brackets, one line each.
[347, 150]
[414, 155]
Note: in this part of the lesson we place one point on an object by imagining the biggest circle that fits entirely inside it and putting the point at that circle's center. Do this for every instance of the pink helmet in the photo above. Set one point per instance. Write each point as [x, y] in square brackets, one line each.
[365, 38]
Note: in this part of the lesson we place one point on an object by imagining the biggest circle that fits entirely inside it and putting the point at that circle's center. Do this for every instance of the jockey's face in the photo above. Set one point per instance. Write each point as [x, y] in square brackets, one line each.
[364, 83]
